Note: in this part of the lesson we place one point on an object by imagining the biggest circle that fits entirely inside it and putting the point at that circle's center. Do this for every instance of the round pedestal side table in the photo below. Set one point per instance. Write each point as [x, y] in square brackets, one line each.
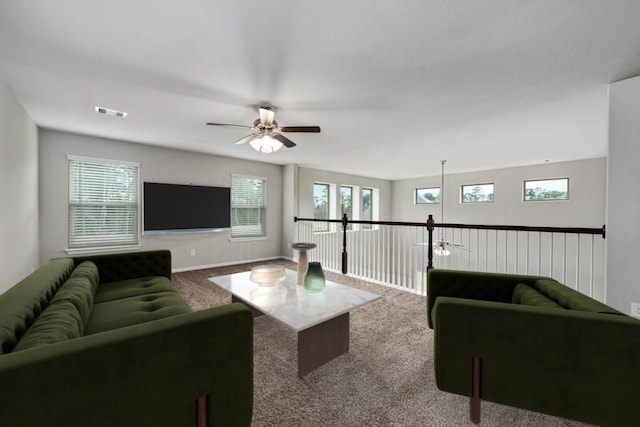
[302, 249]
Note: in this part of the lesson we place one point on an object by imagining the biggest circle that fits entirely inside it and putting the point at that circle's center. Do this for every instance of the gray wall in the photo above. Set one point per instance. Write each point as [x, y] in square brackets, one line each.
[18, 191]
[623, 205]
[586, 207]
[158, 165]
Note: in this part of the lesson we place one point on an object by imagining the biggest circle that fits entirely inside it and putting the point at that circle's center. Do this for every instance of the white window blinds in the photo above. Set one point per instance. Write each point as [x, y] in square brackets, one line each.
[248, 206]
[103, 203]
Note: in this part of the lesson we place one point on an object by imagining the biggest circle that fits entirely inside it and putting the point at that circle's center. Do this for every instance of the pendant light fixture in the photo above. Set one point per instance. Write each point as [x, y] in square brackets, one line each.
[440, 249]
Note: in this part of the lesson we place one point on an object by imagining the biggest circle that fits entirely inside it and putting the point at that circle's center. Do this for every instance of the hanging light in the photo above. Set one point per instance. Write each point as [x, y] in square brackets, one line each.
[265, 144]
[440, 250]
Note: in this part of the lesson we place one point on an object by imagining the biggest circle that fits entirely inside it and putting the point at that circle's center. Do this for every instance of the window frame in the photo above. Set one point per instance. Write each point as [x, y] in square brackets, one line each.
[462, 193]
[350, 216]
[362, 208]
[524, 190]
[262, 206]
[415, 196]
[100, 242]
[322, 227]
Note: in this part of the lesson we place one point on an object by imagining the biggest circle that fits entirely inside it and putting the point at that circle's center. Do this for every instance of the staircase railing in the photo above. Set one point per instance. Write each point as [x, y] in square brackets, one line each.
[400, 253]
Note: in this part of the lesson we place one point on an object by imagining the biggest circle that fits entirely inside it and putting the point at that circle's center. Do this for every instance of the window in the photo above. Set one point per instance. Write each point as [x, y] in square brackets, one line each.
[546, 189]
[248, 207]
[346, 203]
[103, 203]
[367, 207]
[477, 193]
[320, 206]
[427, 195]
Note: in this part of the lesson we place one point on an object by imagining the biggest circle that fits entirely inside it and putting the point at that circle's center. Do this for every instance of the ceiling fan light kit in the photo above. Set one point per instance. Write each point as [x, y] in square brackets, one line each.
[441, 250]
[265, 144]
[267, 136]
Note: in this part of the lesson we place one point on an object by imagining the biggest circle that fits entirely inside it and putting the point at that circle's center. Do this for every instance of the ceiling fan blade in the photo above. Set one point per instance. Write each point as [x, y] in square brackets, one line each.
[285, 141]
[266, 116]
[308, 129]
[229, 125]
[245, 139]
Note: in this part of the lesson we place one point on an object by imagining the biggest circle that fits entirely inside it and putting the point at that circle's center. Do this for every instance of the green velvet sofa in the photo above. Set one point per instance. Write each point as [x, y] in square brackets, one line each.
[108, 341]
[533, 343]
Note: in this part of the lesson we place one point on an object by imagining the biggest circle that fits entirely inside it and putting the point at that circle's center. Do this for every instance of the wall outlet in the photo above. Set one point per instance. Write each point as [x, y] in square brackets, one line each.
[635, 309]
[193, 252]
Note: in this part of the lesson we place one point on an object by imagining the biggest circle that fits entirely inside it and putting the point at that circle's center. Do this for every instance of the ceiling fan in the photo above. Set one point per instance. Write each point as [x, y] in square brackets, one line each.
[441, 247]
[442, 244]
[266, 136]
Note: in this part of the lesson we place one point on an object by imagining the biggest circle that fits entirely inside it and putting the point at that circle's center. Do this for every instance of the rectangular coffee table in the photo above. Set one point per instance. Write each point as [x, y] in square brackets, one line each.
[321, 319]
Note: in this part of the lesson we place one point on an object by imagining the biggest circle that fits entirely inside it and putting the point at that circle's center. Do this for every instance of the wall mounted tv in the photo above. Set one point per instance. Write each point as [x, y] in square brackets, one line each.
[170, 208]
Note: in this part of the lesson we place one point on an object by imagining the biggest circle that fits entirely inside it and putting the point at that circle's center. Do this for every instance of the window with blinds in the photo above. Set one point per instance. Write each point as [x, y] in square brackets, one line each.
[248, 207]
[103, 203]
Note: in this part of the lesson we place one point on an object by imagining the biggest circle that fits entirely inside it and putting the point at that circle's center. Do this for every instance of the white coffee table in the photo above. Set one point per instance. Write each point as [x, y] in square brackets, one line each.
[321, 319]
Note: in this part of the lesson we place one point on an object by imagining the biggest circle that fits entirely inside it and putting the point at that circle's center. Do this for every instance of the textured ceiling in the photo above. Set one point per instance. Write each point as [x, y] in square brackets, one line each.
[395, 86]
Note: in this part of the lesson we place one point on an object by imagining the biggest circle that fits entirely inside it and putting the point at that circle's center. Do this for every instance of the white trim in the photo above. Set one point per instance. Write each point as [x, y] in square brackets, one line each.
[102, 249]
[240, 175]
[97, 159]
[247, 239]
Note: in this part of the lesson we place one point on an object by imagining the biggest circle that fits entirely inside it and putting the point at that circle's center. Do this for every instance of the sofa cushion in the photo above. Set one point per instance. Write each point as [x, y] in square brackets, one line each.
[23, 303]
[60, 321]
[571, 299]
[132, 287]
[80, 288]
[137, 309]
[526, 295]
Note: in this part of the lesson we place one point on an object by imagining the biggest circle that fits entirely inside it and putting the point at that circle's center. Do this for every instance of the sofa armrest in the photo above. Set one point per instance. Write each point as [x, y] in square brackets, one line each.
[472, 285]
[578, 365]
[130, 265]
[147, 374]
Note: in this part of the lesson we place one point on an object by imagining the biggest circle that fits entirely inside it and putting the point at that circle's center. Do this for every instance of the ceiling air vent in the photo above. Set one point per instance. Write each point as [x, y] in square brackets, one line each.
[110, 112]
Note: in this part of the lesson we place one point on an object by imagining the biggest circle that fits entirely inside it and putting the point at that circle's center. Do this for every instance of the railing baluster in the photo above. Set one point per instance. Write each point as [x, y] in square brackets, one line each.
[477, 247]
[564, 258]
[486, 250]
[388, 252]
[578, 264]
[553, 256]
[591, 267]
[527, 257]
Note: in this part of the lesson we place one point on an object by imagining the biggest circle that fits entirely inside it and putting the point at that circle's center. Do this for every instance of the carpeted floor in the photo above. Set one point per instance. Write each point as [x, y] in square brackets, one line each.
[386, 379]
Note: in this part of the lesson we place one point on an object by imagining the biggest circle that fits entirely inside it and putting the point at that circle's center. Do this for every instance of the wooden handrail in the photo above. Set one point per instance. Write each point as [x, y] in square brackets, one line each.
[430, 224]
[569, 230]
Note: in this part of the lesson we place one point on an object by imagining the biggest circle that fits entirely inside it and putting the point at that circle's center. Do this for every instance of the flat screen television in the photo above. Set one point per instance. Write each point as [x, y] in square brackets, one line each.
[172, 208]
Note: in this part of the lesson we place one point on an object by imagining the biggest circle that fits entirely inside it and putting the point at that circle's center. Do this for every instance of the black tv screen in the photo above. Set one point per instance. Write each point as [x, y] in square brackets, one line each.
[185, 208]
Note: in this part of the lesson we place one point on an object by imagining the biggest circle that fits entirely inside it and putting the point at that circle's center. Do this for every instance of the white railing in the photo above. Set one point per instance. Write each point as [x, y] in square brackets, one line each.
[397, 253]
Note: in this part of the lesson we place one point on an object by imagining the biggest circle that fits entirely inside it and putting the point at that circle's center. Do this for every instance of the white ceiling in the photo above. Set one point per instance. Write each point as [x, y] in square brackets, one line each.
[396, 86]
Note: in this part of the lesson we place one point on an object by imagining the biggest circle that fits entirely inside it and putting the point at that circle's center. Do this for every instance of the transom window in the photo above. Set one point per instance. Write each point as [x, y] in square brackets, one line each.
[427, 195]
[477, 193]
[546, 189]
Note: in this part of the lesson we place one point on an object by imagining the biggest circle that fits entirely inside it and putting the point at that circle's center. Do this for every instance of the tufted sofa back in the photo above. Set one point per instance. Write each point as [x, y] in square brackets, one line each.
[23, 303]
[131, 265]
[494, 287]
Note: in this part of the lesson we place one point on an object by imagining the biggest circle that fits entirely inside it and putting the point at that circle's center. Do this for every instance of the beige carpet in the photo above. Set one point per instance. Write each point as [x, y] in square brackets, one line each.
[386, 379]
